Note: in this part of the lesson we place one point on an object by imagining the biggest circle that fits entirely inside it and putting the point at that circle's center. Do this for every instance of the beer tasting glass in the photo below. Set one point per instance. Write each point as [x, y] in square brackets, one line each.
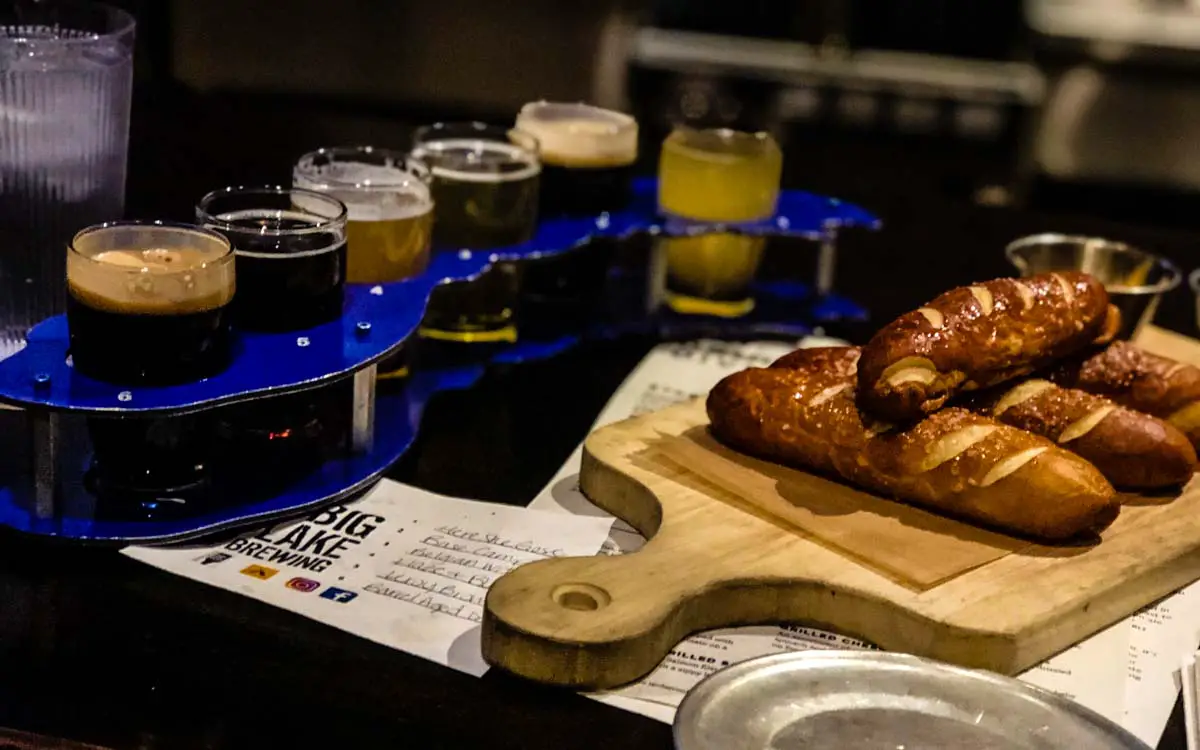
[484, 181]
[146, 305]
[290, 246]
[389, 220]
[715, 175]
[485, 184]
[390, 209]
[587, 154]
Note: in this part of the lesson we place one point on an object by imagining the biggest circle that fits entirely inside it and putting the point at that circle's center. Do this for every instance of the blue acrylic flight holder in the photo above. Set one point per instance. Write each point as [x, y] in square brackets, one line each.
[50, 496]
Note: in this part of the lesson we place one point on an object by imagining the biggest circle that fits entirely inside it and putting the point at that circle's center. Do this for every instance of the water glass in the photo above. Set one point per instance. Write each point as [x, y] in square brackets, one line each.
[66, 73]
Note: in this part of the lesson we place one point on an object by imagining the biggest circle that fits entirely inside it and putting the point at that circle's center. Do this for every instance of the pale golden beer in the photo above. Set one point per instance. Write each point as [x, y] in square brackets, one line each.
[716, 176]
[389, 209]
[485, 189]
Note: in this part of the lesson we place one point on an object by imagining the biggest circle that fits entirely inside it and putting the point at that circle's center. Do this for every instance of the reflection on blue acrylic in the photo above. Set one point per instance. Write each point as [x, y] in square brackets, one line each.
[375, 323]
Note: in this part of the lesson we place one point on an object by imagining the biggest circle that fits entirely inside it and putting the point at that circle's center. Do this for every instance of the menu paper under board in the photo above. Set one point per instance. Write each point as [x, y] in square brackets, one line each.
[402, 567]
[1127, 673]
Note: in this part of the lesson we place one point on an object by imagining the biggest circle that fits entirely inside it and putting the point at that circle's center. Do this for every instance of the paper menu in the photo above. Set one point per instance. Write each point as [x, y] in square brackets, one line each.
[1158, 637]
[1091, 673]
[402, 567]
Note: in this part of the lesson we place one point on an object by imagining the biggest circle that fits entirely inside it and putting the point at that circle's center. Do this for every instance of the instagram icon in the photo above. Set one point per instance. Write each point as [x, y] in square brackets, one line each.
[305, 585]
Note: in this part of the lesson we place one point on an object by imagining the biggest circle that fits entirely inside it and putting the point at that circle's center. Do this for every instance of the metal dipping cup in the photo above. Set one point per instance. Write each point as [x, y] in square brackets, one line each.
[1135, 279]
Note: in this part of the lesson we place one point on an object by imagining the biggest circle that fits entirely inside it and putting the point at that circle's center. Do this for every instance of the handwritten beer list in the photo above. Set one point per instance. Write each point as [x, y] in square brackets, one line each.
[402, 567]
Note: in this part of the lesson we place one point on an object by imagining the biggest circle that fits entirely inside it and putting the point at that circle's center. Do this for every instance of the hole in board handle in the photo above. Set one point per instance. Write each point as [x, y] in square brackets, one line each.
[581, 597]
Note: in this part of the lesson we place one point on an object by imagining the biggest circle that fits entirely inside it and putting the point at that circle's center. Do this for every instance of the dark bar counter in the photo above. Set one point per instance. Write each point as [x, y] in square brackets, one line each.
[98, 648]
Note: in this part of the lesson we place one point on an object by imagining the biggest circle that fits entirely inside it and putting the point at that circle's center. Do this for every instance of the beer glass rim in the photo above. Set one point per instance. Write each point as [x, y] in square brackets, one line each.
[407, 166]
[475, 130]
[730, 135]
[121, 23]
[321, 223]
[226, 256]
[620, 121]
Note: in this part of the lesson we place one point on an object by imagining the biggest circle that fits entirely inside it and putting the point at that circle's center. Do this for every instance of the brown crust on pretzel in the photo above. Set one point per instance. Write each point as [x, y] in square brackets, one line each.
[801, 411]
[977, 336]
[1131, 449]
[1135, 378]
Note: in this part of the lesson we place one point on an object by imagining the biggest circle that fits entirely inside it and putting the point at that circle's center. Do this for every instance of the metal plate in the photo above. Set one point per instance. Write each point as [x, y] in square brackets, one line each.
[818, 700]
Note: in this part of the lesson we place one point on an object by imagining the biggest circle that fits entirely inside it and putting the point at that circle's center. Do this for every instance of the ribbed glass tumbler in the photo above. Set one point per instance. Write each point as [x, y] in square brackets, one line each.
[66, 73]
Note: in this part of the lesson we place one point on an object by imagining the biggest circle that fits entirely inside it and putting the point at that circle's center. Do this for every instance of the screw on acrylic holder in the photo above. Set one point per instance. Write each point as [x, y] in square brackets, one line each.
[56, 500]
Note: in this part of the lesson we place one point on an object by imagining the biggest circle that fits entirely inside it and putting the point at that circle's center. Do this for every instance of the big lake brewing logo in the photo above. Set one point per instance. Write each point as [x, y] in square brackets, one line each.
[313, 544]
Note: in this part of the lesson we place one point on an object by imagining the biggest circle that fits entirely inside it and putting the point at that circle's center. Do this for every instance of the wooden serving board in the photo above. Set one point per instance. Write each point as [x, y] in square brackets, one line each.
[600, 622]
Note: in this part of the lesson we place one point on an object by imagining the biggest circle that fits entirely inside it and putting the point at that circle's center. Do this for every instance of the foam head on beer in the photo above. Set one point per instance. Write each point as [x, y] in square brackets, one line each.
[580, 135]
[150, 270]
[588, 156]
[146, 303]
[389, 208]
[375, 184]
[479, 160]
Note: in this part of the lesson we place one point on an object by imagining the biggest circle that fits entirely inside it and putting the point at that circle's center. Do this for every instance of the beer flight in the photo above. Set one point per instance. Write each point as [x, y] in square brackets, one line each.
[277, 259]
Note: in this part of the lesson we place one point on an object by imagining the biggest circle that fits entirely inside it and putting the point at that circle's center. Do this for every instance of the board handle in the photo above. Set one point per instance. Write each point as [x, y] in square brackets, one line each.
[588, 622]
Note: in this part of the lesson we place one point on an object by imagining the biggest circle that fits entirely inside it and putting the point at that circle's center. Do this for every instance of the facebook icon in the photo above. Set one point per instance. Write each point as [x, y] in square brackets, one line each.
[341, 596]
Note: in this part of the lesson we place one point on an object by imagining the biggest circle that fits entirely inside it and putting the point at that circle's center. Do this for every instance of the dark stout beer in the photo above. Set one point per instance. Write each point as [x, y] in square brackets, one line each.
[587, 154]
[291, 254]
[147, 303]
[291, 263]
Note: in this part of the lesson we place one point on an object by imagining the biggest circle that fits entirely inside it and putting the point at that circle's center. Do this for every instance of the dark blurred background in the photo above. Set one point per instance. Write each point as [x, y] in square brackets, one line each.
[1081, 106]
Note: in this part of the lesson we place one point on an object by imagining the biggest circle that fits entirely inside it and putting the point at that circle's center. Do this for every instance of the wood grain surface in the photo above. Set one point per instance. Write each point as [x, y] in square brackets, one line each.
[600, 622]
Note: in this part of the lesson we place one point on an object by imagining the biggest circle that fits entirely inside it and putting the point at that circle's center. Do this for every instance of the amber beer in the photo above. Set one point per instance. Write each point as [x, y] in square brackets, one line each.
[389, 208]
